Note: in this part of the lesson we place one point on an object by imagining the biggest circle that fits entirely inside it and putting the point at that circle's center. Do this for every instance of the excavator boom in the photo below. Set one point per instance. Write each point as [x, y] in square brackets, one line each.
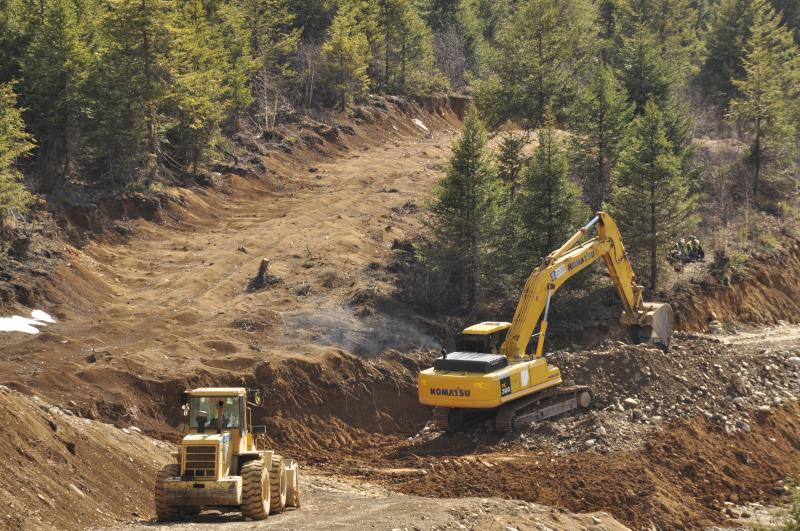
[569, 260]
[512, 384]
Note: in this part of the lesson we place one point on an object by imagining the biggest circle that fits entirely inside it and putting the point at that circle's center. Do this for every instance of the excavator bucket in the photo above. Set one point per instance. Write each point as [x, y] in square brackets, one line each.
[657, 324]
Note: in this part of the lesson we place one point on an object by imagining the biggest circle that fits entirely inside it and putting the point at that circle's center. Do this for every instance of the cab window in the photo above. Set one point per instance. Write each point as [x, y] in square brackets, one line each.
[231, 411]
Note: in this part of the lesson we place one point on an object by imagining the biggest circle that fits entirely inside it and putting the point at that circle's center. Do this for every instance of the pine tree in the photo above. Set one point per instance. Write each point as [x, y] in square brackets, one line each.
[346, 54]
[673, 23]
[241, 64]
[405, 61]
[197, 96]
[270, 26]
[542, 51]
[510, 160]
[130, 88]
[767, 94]
[459, 213]
[790, 13]
[548, 206]
[644, 72]
[15, 34]
[726, 48]
[598, 120]
[646, 76]
[55, 71]
[15, 142]
[650, 198]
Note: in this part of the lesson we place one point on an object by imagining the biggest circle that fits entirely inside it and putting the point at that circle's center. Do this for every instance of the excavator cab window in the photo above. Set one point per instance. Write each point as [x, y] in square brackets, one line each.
[484, 343]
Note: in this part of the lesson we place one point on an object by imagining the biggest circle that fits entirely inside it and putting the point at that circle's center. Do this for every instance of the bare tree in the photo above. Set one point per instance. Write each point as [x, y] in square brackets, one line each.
[449, 49]
[307, 64]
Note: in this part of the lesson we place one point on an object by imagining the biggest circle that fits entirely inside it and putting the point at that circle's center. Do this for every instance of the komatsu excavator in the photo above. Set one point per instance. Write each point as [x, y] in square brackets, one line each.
[496, 372]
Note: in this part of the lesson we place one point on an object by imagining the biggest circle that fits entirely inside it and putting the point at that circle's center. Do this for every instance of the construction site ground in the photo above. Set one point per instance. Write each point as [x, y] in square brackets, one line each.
[685, 439]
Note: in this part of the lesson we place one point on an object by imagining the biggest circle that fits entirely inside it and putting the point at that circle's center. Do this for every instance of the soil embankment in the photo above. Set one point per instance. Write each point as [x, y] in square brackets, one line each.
[765, 292]
[60, 471]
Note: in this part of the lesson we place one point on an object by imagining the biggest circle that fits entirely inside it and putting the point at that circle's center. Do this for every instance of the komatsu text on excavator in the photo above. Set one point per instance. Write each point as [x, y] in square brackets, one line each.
[495, 370]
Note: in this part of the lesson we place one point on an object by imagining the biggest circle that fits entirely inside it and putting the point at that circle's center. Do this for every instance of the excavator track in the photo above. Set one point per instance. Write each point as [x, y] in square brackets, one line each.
[520, 412]
[441, 418]
[540, 406]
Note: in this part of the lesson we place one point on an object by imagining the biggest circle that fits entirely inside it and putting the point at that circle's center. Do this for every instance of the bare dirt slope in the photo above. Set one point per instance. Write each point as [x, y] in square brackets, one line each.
[170, 307]
[61, 471]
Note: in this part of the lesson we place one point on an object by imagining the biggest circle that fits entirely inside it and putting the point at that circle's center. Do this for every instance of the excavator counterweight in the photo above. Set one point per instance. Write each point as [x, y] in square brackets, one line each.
[497, 369]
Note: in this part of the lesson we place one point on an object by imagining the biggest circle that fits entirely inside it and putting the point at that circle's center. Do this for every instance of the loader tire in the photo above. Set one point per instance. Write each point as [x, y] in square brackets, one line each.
[293, 490]
[255, 490]
[165, 511]
[277, 479]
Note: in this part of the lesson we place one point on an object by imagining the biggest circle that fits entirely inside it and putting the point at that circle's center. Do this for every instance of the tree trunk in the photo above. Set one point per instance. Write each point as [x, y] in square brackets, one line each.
[403, 63]
[653, 240]
[757, 156]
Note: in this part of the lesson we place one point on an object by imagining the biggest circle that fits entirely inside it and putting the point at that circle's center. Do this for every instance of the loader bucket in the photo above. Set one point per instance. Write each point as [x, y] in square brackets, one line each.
[657, 324]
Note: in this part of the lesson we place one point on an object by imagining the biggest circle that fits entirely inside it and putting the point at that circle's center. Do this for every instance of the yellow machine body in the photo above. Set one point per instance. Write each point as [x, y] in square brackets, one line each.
[490, 390]
[521, 370]
[209, 468]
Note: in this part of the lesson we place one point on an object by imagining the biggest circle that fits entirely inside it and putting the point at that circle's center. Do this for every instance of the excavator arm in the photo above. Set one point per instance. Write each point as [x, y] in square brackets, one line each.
[570, 259]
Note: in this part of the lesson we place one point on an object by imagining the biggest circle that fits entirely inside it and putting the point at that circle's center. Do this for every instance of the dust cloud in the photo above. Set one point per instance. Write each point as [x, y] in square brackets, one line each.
[364, 336]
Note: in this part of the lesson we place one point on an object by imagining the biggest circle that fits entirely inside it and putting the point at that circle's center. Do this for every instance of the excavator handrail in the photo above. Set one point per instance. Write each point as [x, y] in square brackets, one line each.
[561, 265]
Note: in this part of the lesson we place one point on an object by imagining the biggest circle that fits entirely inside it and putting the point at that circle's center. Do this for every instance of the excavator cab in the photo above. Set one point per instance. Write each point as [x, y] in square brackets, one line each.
[484, 337]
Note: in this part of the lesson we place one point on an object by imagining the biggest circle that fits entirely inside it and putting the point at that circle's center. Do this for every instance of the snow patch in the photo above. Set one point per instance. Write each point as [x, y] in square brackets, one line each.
[419, 123]
[25, 325]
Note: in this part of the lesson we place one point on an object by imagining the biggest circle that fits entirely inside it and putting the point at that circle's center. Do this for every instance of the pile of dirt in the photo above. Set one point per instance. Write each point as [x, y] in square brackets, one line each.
[637, 388]
[58, 470]
[680, 478]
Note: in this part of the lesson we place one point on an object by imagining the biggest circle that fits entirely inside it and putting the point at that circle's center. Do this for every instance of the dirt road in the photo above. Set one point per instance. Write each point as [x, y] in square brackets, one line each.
[339, 503]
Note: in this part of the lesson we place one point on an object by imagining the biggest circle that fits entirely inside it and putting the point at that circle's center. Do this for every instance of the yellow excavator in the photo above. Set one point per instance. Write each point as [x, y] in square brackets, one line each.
[497, 372]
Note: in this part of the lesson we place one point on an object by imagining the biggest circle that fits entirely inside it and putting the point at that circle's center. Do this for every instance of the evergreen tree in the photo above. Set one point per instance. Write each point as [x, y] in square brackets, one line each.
[644, 72]
[650, 197]
[406, 61]
[646, 76]
[14, 143]
[726, 47]
[673, 24]
[346, 54]
[197, 96]
[459, 213]
[542, 51]
[598, 120]
[768, 93]
[790, 13]
[15, 34]
[273, 39]
[55, 71]
[130, 87]
[548, 206]
[241, 64]
[510, 160]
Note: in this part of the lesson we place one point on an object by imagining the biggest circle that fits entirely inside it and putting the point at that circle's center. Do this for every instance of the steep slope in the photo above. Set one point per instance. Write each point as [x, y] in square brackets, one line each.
[61, 471]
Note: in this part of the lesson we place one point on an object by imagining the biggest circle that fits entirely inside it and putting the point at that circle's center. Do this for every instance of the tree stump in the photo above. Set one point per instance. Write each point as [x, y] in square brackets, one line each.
[262, 278]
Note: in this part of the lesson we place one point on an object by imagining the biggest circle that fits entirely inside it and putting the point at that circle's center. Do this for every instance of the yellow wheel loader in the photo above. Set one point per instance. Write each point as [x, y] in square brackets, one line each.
[497, 372]
[218, 464]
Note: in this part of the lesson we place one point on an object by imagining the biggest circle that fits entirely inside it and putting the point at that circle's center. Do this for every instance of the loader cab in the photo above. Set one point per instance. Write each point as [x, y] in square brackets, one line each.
[220, 431]
[484, 337]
